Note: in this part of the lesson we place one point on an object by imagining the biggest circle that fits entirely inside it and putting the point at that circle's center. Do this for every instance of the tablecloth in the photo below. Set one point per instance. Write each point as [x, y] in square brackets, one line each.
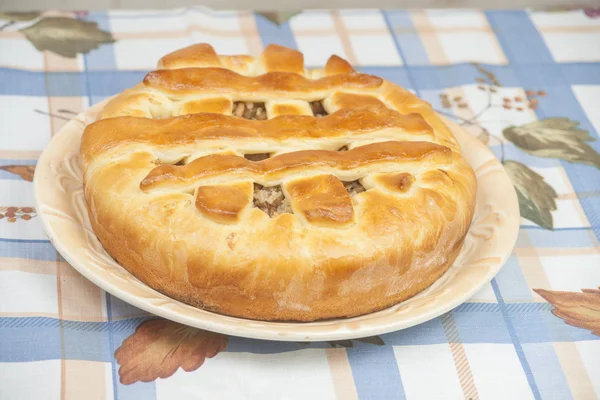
[526, 83]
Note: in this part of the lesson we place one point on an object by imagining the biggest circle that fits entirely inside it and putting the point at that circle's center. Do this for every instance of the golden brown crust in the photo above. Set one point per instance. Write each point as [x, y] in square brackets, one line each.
[321, 201]
[197, 54]
[282, 59]
[224, 203]
[341, 100]
[400, 182]
[336, 65]
[169, 192]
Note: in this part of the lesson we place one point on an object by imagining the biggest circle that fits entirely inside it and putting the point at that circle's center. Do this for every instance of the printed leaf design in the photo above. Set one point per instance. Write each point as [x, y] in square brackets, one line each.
[19, 16]
[24, 171]
[536, 197]
[158, 347]
[66, 36]
[556, 138]
[576, 309]
[279, 17]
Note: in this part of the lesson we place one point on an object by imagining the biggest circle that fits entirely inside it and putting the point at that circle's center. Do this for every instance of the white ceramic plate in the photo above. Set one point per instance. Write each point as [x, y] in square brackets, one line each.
[490, 241]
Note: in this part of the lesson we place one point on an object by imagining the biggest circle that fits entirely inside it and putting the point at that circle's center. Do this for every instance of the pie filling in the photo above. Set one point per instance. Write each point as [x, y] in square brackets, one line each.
[318, 109]
[257, 156]
[354, 187]
[249, 110]
[271, 200]
[257, 111]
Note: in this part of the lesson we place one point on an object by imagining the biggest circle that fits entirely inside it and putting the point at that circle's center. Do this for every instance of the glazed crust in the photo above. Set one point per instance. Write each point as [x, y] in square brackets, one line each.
[170, 194]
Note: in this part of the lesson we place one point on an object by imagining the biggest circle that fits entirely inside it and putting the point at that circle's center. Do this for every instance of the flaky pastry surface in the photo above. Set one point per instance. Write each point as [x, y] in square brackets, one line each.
[342, 195]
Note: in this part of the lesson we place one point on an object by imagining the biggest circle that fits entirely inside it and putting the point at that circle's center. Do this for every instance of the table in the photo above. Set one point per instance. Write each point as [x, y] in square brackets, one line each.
[525, 83]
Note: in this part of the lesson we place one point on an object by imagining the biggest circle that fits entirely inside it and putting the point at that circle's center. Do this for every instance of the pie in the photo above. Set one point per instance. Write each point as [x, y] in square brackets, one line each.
[257, 188]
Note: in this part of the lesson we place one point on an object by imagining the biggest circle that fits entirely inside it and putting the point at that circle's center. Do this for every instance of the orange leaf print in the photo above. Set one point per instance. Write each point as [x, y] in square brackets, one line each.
[24, 171]
[577, 309]
[158, 347]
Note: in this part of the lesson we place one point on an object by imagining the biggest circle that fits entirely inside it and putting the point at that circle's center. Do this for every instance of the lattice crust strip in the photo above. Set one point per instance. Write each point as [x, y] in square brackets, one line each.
[268, 107]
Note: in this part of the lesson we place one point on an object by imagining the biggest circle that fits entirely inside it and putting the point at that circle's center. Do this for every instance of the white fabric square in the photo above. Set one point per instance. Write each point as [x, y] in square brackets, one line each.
[18, 193]
[588, 97]
[589, 350]
[456, 18]
[162, 22]
[378, 50]
[565, 18]
[318, 49]
[428, 372]
[19, 53]
[298, 375]
[497, 371]
[363, 19]
[22, 128]
[145, 13]
[312, 20]
[148, 24]
[471, 46]
[222, 45]
[180, 12]
[143, 54]
[30, 380]
[216, 21]
[568, 214]
[572, 272]
[573, 46]
[40, 297]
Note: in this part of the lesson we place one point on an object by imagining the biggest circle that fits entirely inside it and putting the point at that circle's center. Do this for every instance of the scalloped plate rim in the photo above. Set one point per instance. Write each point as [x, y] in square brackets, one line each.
[330, 329]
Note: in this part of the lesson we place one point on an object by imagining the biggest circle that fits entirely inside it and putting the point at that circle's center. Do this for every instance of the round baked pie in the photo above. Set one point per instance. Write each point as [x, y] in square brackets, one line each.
[257, 188]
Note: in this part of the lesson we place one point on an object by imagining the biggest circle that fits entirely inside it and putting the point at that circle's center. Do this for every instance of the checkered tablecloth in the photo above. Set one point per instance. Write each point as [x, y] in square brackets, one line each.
[525, 83]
